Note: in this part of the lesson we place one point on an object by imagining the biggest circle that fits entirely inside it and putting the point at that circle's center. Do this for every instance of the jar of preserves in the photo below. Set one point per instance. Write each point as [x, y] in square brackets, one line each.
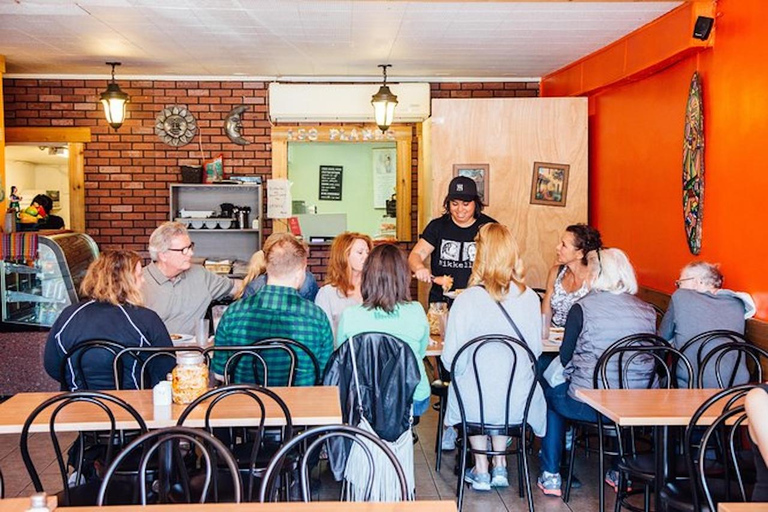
[190, 377]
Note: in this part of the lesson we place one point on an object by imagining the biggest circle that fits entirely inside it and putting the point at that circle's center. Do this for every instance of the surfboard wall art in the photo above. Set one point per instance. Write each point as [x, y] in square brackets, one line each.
[693, 166]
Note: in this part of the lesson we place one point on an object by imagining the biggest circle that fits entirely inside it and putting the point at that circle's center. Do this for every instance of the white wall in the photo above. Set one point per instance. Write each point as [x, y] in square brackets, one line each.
[32, 179]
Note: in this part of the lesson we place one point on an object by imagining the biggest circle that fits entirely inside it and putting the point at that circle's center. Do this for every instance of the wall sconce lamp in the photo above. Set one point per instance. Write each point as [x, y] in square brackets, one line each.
[384, 103]
[114, 100]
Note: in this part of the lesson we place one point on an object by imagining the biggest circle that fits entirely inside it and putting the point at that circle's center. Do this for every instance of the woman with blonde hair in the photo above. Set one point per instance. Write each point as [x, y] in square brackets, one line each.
[256, 279]
[112, 311]
[343, 279]
[496, 282]
[609, 312]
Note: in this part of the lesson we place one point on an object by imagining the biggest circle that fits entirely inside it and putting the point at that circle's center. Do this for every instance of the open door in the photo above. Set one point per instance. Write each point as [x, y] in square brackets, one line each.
[74, 139]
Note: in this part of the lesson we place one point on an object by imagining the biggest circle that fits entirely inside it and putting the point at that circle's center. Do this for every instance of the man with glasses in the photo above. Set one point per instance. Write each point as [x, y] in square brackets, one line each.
[699, 305]
[178, 291]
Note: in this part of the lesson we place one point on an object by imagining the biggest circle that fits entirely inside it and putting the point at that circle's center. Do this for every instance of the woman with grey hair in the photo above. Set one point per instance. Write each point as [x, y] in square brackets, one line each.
[701, 305]
[609, 312]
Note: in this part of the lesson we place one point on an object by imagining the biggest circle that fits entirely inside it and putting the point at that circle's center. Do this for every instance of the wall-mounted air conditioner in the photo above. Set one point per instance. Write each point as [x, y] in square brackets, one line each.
[344, 102]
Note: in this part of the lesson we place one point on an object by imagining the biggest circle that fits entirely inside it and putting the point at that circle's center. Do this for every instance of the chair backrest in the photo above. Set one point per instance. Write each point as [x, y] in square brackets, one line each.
[163, 443]
[726, 360]
[639, 363]
[659, 313]
[729, 403]
[697, 348]
[108, 404]
[239, 358]
[253, 435]
[522, 372]
[306, 443]
[299, 351]
[99, 356]
[141, 359]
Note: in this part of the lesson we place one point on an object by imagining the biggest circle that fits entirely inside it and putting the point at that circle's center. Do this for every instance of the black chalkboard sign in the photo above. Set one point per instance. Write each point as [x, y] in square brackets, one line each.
[330, 182]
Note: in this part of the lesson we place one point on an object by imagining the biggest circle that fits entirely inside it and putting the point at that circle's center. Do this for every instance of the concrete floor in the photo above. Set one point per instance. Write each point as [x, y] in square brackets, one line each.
[429, 484]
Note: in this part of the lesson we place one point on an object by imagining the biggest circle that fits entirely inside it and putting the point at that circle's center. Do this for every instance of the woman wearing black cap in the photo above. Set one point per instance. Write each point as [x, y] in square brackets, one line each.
[449, 240]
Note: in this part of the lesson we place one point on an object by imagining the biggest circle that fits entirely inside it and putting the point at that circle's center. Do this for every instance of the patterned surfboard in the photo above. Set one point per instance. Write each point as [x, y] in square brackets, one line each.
[693, 166]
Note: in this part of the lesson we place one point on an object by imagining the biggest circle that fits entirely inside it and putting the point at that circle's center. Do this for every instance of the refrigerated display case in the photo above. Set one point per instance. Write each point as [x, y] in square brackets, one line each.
[34, 293]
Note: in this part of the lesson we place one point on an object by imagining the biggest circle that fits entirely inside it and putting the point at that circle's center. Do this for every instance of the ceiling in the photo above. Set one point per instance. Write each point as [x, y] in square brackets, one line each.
[299, 39]
[34, 155]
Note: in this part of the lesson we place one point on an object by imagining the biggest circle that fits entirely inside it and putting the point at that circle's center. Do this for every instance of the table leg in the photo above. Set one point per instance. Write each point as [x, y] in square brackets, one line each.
[661, 441]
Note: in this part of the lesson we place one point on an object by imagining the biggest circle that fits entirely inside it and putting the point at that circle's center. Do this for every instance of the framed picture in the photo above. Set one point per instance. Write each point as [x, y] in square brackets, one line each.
[480, 173]
[550, 184]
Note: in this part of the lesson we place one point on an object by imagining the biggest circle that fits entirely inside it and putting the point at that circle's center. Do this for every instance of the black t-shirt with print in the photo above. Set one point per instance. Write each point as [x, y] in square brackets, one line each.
[454, 251]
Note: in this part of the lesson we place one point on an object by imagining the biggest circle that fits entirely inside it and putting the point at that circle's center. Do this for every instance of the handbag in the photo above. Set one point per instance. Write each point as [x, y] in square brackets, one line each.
[385, 485]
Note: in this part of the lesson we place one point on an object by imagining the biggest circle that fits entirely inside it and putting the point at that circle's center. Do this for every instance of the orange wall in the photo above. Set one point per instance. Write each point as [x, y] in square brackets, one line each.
[636, 141]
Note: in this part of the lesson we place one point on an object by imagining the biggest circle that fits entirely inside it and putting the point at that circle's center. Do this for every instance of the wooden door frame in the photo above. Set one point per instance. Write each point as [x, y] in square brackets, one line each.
[351, 133]
[75, 138]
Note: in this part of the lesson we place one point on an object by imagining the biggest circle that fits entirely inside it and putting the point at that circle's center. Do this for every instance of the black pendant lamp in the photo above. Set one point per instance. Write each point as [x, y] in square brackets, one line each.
[114, 101]
[384, 103]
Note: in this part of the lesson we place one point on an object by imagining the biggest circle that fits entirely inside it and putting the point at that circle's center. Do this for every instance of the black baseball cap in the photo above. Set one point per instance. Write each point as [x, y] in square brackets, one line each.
[462, 188]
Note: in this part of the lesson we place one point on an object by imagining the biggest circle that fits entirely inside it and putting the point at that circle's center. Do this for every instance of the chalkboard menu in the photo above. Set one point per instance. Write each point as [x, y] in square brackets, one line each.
[330, 182]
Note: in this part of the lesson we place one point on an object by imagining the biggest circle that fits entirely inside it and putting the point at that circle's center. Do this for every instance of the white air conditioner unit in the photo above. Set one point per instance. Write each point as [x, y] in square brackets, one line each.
[344, 102]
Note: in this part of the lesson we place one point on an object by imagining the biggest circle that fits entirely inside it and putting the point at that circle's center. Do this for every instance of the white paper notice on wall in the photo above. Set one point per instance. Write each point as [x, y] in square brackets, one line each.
[279, 199]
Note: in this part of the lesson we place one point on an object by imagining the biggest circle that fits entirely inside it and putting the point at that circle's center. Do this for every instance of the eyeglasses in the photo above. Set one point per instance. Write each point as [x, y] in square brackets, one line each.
[184, 250]
[681, 281]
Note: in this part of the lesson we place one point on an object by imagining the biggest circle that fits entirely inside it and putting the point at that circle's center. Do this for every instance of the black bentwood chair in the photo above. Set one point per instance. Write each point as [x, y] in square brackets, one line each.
[588, 429]
[712, 481]
[475, 381]
[81, 495]
[698, 347]
[652, 366]
[141, 359]
[310, 441]
[251, 449]
[97, 354]
[725, 361]
[239, 356]
[160, 443]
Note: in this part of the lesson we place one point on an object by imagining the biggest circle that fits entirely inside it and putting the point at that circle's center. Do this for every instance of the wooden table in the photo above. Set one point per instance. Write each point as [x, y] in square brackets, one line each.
[21, 504]
[657, 408]
[742, 507]
[309, 406]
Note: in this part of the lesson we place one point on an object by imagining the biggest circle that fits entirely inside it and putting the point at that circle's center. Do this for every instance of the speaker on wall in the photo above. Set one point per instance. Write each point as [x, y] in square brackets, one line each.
[703, 27]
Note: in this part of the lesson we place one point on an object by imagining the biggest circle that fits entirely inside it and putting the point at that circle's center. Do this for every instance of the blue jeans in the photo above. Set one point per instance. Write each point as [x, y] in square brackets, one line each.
[560, 408]
[420, 407]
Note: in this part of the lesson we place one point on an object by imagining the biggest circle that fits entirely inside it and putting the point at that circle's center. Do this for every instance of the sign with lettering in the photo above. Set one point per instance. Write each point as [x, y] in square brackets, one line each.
[330, 182]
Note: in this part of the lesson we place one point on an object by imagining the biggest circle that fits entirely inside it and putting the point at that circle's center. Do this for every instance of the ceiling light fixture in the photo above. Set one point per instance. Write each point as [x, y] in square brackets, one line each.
[114, 100]
[384, 103]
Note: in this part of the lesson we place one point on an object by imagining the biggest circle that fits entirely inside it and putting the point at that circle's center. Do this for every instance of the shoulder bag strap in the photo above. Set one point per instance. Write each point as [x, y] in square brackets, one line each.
[509, 318]
[351, 342]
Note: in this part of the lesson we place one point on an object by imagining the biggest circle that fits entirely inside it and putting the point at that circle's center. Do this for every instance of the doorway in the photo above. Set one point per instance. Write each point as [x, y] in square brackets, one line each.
[32, 170]
[70, 139]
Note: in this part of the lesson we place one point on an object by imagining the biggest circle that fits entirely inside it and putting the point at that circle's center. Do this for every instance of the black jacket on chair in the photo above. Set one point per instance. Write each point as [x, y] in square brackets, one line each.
[388, 372]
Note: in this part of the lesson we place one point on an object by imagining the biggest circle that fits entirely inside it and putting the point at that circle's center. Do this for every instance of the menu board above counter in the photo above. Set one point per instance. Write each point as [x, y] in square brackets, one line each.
[330, 182]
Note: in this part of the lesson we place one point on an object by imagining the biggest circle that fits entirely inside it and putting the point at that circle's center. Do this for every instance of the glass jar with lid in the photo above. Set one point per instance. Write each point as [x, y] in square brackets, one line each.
[190, 377]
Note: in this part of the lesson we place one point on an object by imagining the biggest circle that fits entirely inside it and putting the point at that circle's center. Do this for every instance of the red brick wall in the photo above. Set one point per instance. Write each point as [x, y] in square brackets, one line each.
[127, 172]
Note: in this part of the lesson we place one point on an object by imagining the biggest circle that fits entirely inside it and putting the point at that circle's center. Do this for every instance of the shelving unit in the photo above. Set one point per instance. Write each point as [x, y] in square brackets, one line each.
[217, 244]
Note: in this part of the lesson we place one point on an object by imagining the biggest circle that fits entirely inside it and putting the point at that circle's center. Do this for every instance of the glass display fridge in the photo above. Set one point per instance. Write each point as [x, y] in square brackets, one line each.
[34, 293]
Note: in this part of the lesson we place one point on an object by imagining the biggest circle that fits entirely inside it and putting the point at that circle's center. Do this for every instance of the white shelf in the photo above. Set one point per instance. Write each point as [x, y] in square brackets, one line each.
[239, 244]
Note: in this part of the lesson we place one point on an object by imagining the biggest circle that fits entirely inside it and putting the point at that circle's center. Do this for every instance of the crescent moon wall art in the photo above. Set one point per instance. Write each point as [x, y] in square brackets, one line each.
[693, 166]
[233, 125]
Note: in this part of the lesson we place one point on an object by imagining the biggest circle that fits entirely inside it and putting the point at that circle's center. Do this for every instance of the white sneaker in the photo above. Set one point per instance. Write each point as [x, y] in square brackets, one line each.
[449, 439]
